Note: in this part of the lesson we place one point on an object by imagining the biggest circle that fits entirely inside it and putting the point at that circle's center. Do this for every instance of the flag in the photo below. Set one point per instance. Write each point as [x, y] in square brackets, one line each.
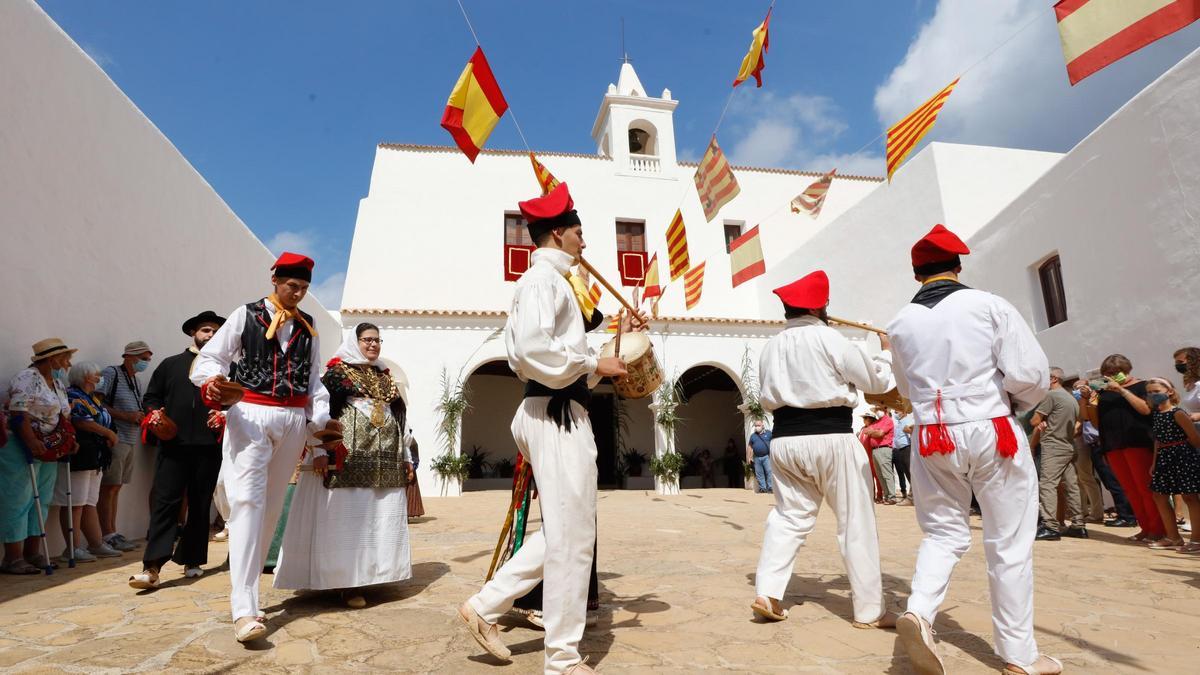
[753, 64]
[475, 106]
[1095, 33]
[543, 175]
[904, 135]
[594, 293]
[714, 181]
[693, 285]
[746, 257]
[677, 251]
[813, 198]
[614, 324]
[652, 286]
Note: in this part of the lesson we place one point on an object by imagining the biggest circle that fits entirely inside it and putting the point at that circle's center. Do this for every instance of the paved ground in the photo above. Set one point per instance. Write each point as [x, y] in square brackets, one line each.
[675, 583]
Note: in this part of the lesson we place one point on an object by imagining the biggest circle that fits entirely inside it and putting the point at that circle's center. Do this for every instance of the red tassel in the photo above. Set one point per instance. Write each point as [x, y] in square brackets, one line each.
[1006, 439]
[935, 438]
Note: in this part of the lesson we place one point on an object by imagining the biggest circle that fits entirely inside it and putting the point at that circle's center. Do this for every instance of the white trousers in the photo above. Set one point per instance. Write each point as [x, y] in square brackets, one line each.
[1007, 490]
[261, 448]
[221, 500]
[560, 554]
[806, 470]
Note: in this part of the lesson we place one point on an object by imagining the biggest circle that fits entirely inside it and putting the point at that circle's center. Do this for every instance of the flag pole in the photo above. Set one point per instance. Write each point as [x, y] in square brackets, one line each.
[609, 287]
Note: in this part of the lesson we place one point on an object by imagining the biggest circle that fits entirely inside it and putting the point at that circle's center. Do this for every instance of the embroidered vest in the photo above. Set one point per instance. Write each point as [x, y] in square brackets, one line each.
[264, 367]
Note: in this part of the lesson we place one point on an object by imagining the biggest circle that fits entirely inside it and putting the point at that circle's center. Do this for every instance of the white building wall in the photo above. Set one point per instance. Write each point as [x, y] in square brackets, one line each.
[109, 234]
[1121, 209]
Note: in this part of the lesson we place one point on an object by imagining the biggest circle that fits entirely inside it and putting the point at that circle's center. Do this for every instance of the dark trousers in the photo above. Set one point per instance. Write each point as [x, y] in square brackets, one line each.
[900, 457]
[179, 470]
[1109, 480]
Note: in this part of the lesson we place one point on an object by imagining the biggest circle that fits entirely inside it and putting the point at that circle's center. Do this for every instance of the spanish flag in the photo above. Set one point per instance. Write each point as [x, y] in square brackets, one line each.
[753, 64]
[746, 257]
[475, 106]
[1095, 33]
[653, 287]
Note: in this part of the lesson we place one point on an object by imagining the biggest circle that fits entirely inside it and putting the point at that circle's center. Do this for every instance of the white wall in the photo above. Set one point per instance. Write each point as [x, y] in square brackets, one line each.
[1121, 209]
[109, 234]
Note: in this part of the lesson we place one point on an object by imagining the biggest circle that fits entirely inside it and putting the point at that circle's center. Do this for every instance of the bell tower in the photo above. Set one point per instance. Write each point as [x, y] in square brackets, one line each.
[637, 131]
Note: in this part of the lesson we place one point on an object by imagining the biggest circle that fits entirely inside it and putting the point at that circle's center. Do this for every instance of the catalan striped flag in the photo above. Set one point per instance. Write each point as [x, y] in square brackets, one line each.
[677, 249]
[746, 257]
[543, 175]
[1096, 33]
[653, 288]
[753, 63]
[714, 181]
[614, 324]
[475, 106]
[693, 285]
[813, 198]
[904, 135]
[594, 293]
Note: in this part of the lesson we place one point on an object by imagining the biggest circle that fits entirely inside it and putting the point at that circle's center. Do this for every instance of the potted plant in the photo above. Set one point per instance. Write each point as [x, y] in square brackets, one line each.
[633, 462]
[666, 467]
[451, 467]
[504, 468]
[477, 462]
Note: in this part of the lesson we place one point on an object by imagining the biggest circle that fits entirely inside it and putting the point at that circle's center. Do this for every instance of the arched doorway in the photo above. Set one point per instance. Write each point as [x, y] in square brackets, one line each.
[709, 421]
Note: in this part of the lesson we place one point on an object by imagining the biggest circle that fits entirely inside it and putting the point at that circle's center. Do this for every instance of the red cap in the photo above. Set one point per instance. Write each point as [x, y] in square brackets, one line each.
[808, 292]
[940, 245]
[293, 266]
[552, 205]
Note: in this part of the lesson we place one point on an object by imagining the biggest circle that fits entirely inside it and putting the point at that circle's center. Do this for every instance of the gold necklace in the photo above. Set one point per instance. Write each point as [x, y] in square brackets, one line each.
[377, 386]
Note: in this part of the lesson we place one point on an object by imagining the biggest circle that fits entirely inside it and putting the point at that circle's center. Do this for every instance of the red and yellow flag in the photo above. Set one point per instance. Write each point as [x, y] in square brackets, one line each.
[714, 181]
[904, 135]
[543, 175]
[1095, 33]
[813, 198]
[653, 288]
[753, 64]
[614, 324]
[693, 285]
[746, 257]
[677, 250]
[594, 293]
[475, 106]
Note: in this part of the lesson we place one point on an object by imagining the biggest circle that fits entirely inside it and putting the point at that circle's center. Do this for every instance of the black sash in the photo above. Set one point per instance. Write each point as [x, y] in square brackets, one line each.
[559, 407]
[812, 421]
[933, 293]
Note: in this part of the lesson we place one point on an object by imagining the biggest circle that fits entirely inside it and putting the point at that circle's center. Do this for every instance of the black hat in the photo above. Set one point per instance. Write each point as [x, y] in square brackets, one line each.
[207, 316]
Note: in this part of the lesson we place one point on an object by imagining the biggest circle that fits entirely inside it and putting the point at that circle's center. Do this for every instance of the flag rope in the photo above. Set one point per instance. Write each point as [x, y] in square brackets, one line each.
[511, 113]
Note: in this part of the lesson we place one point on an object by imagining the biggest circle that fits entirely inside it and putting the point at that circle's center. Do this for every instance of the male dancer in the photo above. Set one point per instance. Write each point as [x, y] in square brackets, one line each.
[810, 375]
[277, 353]
[547, 348]
[964, 357]
[187, 464]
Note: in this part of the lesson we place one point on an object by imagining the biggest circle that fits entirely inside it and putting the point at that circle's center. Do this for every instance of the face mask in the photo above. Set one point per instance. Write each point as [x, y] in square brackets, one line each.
[1077, 394]
[1156, 399]
[1181, 368]
[139, 366]
[59, 374]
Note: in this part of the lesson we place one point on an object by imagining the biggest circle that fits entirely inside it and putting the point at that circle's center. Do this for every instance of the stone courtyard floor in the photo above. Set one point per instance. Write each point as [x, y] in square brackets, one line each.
[676, 581]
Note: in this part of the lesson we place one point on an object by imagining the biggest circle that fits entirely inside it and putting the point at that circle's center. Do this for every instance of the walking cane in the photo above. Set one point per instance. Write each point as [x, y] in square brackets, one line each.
[37, 505]
[70, 520]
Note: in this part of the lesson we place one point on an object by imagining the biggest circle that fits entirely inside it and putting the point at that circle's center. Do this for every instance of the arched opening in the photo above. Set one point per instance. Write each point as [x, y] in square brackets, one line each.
[711, 432]
[643, 138]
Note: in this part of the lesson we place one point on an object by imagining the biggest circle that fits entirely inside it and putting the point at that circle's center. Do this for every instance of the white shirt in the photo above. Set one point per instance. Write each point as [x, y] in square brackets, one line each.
[1189, 399]
[810, 365]
[976, 350]
[545, 335]
[226, 347]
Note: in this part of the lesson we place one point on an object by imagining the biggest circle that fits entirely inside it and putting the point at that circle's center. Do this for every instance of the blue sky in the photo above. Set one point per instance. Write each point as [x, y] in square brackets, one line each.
[280, 105]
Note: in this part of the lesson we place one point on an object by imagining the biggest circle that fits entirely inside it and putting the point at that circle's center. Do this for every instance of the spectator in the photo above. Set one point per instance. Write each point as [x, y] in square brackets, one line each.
[1091, 500]
[1176, 462]
[758, 451]
[707, 477]
[1120, 412]
[1055, 418]
[1124, 512]
[123, 397]
[882, 433]
[1187, 364]
[868, 444]
[81, 472]
[901, 451]
[733, 466]
[38, 410]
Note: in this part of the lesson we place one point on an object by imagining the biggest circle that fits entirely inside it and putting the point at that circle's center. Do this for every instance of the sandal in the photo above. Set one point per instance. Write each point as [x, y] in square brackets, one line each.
[1191, 548]
[248, 629]
[19, 566]
[1166, 544]
[1045, 665]
[886, 622]
[1140, 536]
[766, 612]
[145, 580]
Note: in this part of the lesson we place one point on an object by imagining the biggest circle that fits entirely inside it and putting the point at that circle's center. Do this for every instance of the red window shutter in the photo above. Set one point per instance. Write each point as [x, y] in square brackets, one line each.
[632, 265]
[516, 260]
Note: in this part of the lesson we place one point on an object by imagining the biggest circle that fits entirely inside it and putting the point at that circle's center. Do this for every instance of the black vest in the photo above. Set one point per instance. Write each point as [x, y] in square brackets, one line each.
[264, 367]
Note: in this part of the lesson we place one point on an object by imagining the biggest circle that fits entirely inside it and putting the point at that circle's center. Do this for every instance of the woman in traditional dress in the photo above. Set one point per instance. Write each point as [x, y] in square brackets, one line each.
[348, 524]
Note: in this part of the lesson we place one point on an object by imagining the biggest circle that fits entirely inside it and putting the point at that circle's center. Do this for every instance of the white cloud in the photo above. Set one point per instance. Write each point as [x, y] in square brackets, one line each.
[286, 240]
[794, 131]
[329, 290]
[1018, 96]
[101, 57]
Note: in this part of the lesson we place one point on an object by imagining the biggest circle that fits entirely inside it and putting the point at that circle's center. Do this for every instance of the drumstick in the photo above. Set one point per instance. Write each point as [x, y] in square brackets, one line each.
[855, 324]
[609, 287]
[617, 346]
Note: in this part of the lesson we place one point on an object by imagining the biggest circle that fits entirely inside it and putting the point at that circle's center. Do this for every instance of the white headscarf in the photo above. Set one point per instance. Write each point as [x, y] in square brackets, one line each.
[350, 353]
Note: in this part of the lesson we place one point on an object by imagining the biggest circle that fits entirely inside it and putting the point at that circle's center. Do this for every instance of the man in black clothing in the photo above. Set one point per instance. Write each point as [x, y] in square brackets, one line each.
[187, 464]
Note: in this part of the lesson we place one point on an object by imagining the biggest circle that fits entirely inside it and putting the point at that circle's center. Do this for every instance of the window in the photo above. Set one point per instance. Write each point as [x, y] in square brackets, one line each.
[518, 246]
[732, 231]
[1053, 293]
[631, 251]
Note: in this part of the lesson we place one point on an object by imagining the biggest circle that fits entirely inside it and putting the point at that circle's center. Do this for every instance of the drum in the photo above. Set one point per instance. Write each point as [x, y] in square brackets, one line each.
[229, 393]
[644, 374]
[891, 400]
